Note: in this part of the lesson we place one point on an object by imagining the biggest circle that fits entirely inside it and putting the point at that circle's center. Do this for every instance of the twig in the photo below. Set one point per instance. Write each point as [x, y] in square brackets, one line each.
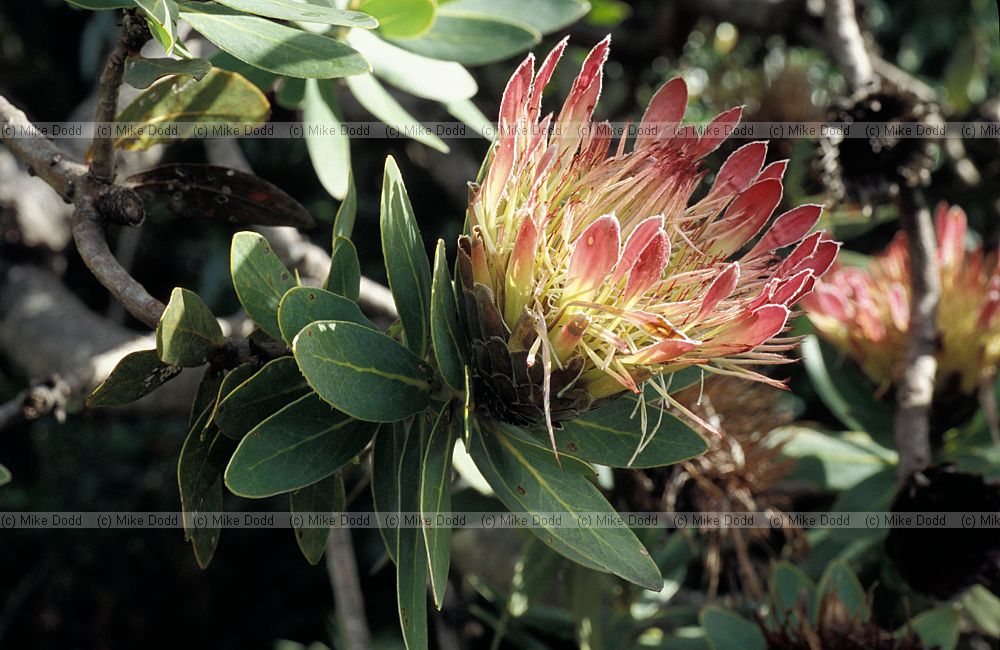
[343, 570]
[133, 35]
[847, 45]
[916, 388]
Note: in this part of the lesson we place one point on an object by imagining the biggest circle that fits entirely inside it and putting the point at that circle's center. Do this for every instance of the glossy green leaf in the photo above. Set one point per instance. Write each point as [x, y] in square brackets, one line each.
[199, 472]
[726, 630]
[401, 18]
[833, 461]
[344, 278]
[472, 39]
[936, 628]
[546, 16]
[411, 558]
[5, 476]
[443, 81]
[141, 72]
[387, 451]
[435, 499]
[304, 11]
[304, 305]
[406, 261]
[327, 497]
[844, 390]
[161, 17]
[303, 443]
[377, 101]
[274, 47]
[135, 376]
[610, 435]
[533, 484]
[328, 145]
[839, 580]
[269, 390]
[448, 337]
[791, 590]
[343, 224]
[187, 330]
[361, 371]
[184, 102]
[260, 280]
[96, 5]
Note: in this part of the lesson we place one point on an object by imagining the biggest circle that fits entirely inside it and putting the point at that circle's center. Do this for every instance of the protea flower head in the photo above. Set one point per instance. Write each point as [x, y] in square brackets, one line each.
[589, 270]
[865, 312]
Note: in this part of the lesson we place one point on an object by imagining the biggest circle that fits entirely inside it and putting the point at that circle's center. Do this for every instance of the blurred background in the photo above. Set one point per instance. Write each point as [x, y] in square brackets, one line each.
[111, 589]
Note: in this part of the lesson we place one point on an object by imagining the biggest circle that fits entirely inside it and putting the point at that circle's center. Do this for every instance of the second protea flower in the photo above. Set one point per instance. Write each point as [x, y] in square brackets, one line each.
[865, 313]
[588, 270]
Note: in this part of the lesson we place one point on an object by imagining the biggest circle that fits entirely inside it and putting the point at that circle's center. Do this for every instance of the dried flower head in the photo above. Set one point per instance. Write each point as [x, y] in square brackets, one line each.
[865, 312]
[588, 270]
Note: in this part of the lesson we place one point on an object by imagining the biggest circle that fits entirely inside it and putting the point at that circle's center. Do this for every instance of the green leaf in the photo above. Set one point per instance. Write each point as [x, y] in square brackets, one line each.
[406, 261]
[411, 558]
[343, 224]
[184, 102]
[377, 101]
[534, 573]
[96, 5]
[260, 280]
[387, 451]
[136, 375]
[141, 72]
[187, 330]
[328, 145]
[983, 608]
[260, 78]
[4, 475]
[361, 371]
[546, 16]
[304, 305]
[291, 93]
[726, 630]
[326, 496]
[469, 114]
[344, 278]
[210, 193]
[199, 471]
[844, 390]
[230, 382]
[443, 81]
[435, 499]
[791, 590]
[832, 461]
[301, 444]
[277, 48]
[528, 484]
[273, 387]
[610, 435]
[450, 343]
[936, 628]
[591, 606]
[839, 580]
[161, 16]
[305, 11]
[472, 39]
[401, 18]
